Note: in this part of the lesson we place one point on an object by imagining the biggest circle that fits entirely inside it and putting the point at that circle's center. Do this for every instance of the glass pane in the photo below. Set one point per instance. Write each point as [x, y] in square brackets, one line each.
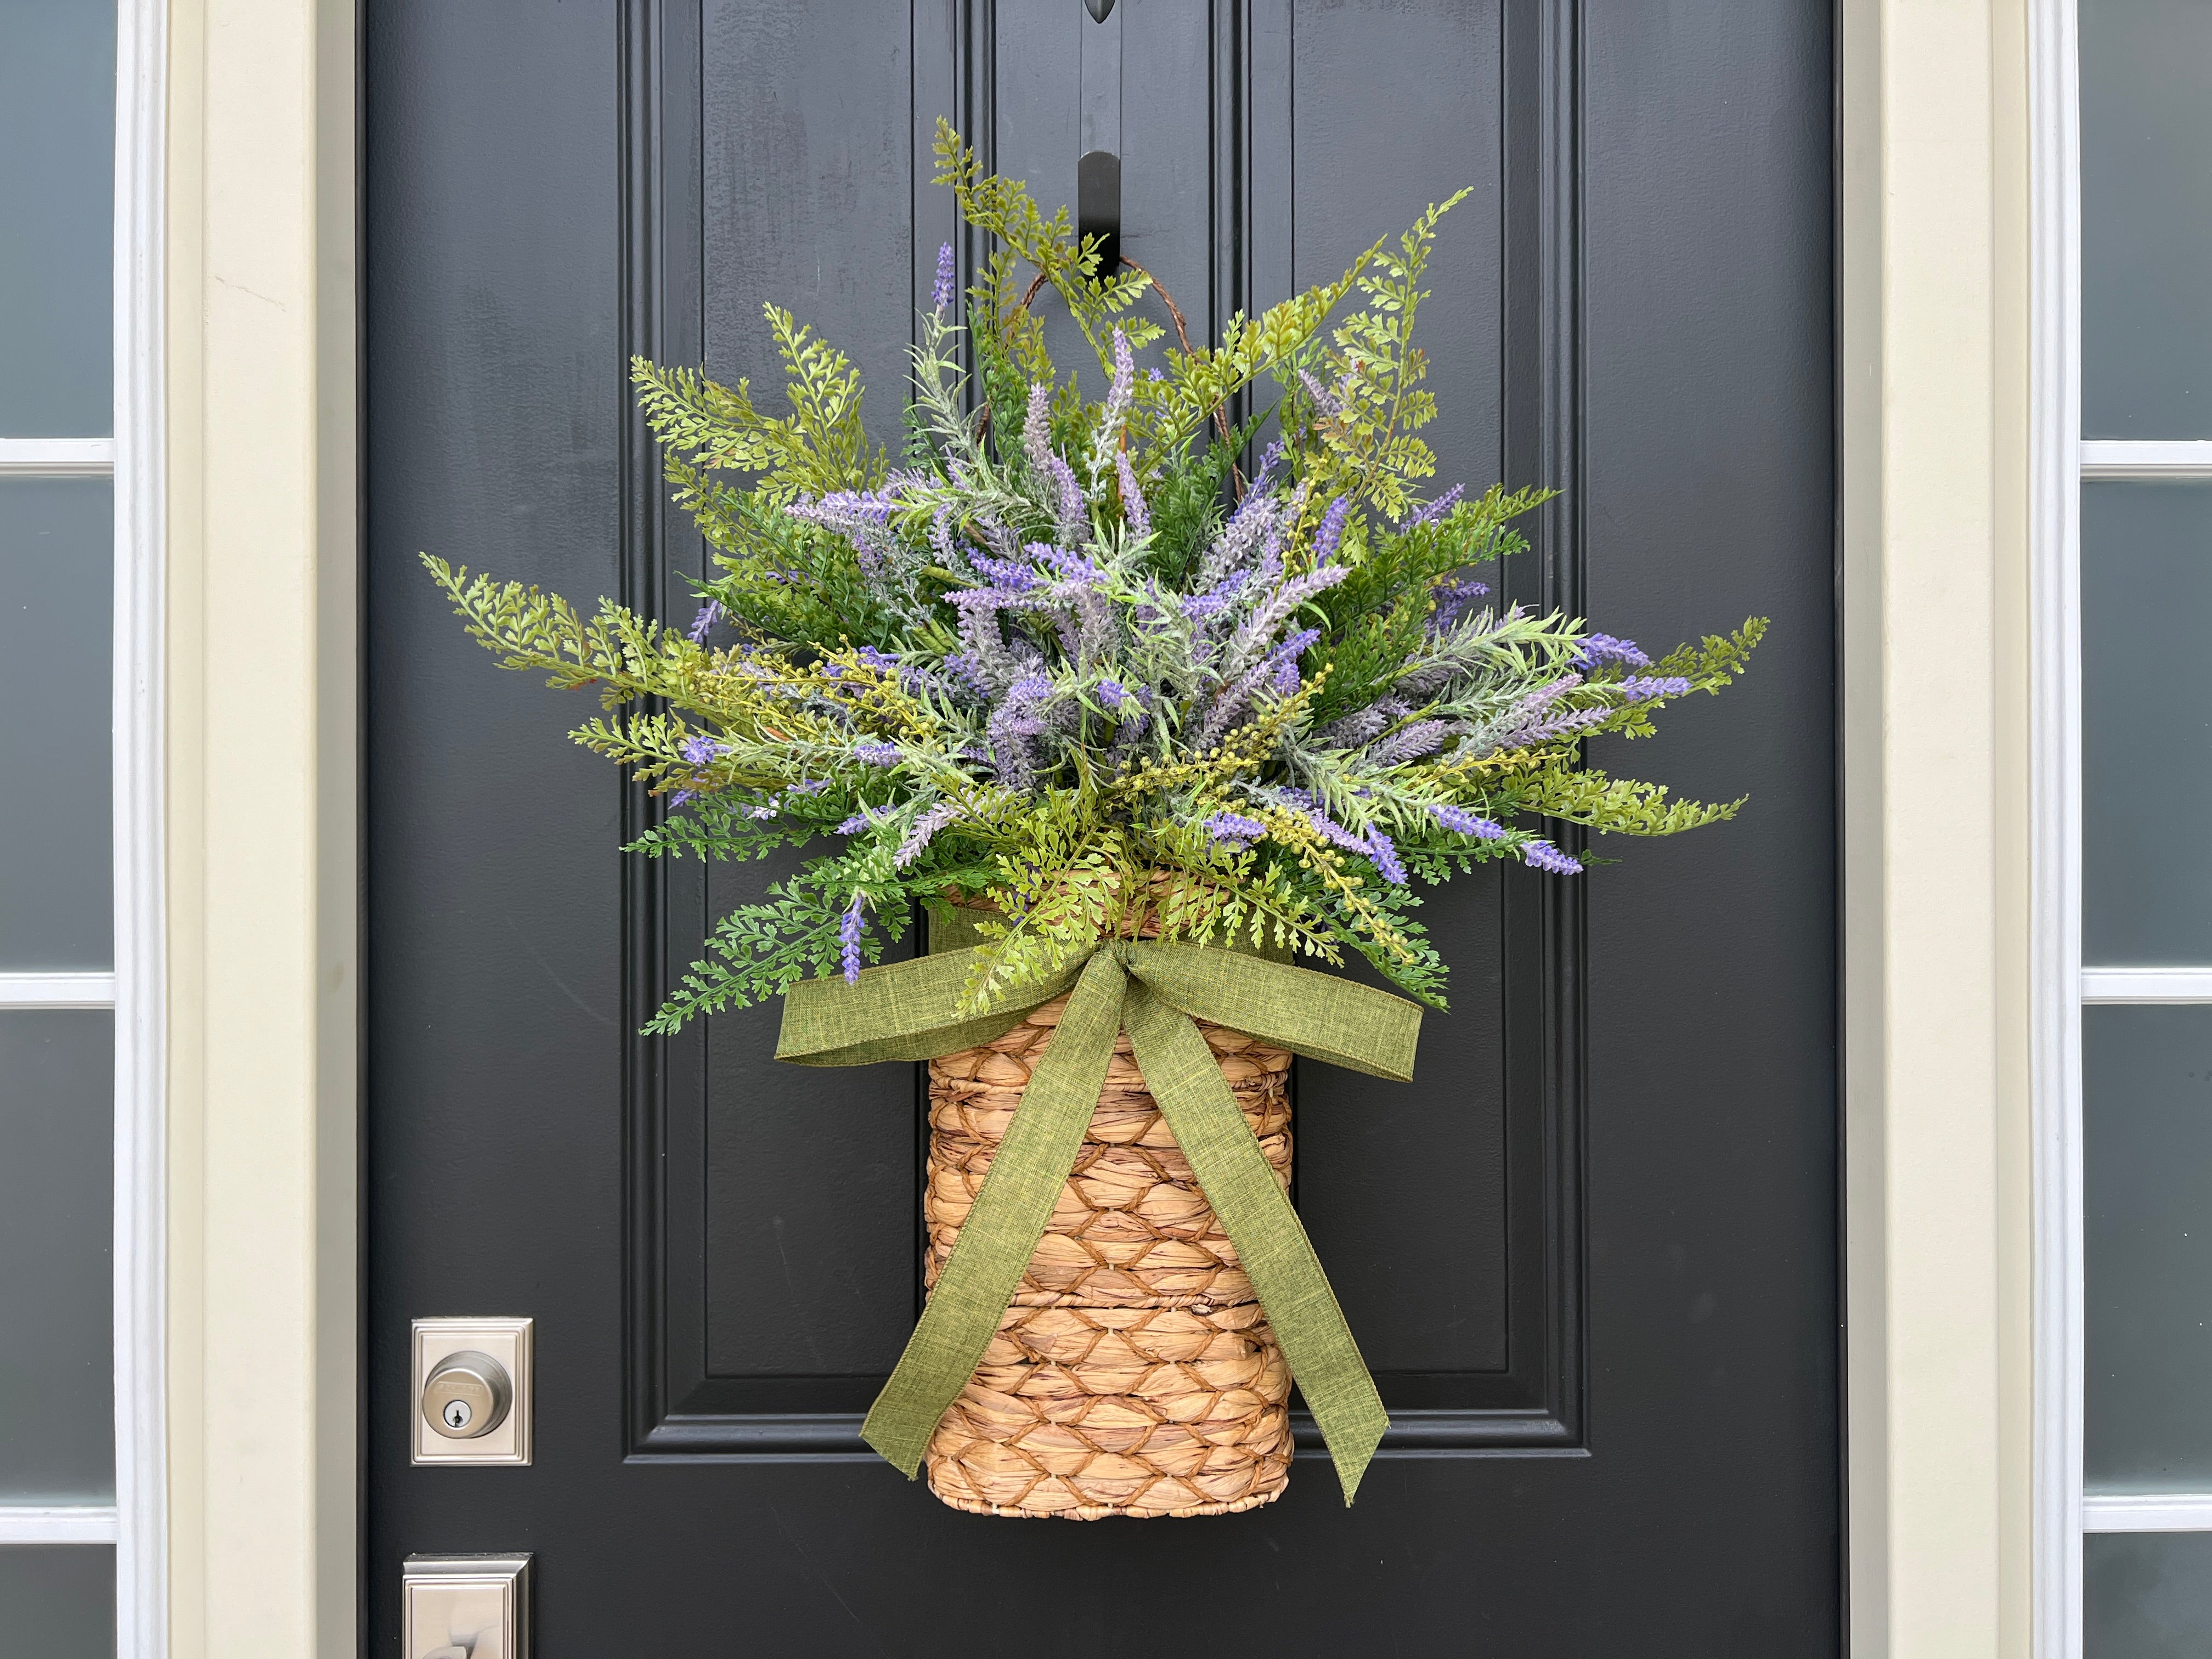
[56, 1375]
[57, 1601]
[2146, 1116]
[2146, 723]
[2146, 219]
[2147, 1595]
[57, 577]
[58, 136]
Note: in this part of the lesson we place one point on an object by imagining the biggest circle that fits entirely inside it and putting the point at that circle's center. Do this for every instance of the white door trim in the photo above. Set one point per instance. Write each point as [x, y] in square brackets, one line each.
[140, 1520]
[2055, 832]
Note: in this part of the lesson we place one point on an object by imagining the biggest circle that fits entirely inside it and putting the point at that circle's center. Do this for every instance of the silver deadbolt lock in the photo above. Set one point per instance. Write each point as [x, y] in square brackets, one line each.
[471, 1381]
[467, 1394]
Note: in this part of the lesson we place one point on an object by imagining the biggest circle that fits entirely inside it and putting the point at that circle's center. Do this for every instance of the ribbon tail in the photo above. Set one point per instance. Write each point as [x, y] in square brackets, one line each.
[1183, 1076]
[1010, 1216]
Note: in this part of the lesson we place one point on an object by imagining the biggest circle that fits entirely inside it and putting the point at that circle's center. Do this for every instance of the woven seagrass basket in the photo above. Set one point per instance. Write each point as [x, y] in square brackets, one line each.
[1134, 1374]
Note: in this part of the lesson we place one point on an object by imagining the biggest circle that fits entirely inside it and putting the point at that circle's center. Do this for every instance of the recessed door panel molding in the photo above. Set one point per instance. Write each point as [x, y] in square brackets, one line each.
[733, 1351]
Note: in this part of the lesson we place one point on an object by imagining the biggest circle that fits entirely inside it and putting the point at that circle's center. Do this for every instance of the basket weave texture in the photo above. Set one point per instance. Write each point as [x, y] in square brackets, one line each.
[1135, 1373]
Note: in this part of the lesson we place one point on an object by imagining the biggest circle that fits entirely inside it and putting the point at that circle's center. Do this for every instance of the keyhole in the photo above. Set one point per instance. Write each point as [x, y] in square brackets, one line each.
[456, 1414]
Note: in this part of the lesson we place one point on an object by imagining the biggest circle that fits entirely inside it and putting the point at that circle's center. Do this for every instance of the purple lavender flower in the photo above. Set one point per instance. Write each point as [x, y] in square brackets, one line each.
[1122, 390]
[1542, 855]
[963, 668]
[1329, 403]
[1071, 567]
[1362, 726]
[1410, 743]
[862, 517]
[1134, 512]
[700, 750]
[1072, 507]
[682, 795]
[877, 753]
[1436, 508]
[1603, 647]
[848, 935]
[1643, 688]
[1015, 725]
[940, 537]
[1332, 529]
[855, 824]
[1036, 425]
[940, 294]
[1287, 680]
[1128, 709]
[1452, 599]
[1210, 602]
[918, 837]
[1004, 574]
[710, 614]
[1281, 607]
[1226, 827]
[766, 809]
[1385, 857]
[1460, 822]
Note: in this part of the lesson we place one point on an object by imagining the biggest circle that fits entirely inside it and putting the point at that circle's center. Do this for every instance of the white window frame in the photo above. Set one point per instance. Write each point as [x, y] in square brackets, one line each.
[136, 1524]
[2060, 461]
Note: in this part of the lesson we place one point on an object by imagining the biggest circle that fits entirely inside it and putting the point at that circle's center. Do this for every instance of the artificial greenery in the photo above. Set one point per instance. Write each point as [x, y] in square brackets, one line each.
[1066, 660]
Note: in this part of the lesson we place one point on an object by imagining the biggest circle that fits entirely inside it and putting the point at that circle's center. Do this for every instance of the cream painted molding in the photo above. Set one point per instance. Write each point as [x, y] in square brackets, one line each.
[263, 877]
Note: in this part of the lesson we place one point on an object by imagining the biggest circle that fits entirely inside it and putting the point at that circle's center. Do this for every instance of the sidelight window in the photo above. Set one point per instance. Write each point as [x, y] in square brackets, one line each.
[80, 1491]
[2137, 1122]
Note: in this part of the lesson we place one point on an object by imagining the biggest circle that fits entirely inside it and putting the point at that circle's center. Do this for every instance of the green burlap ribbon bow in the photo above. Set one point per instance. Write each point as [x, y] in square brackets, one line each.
[910, 1011]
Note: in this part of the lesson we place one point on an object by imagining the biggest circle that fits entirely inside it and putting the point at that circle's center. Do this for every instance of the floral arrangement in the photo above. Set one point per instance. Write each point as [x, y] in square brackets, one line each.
[1064, 661]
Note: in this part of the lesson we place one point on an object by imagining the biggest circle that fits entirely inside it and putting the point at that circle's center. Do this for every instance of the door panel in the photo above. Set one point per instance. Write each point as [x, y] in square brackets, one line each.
[1589, 1251]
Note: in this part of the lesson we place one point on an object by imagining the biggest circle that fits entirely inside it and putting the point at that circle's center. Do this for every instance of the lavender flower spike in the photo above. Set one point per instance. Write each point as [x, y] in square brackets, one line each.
[1410, 743]
[918, 837]
[1603, 647]
[940, 294]
[1643, 688]
[1386, 856]
[1460, 822]
[710, 614]
[1332, 529]
[877, 753]
[1134, 513]
[1542, 855]
[1436, 508]
[848, 935]
[1226, 827]
[1036, 430]
[1121, 390]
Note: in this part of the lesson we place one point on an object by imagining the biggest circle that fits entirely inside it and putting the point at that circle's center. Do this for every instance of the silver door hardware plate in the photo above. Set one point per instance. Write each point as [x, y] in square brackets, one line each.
[470, 1385]
[466, 1606]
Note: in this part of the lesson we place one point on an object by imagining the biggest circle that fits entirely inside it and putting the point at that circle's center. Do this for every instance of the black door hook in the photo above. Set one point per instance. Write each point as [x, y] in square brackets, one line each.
[1098, 207]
